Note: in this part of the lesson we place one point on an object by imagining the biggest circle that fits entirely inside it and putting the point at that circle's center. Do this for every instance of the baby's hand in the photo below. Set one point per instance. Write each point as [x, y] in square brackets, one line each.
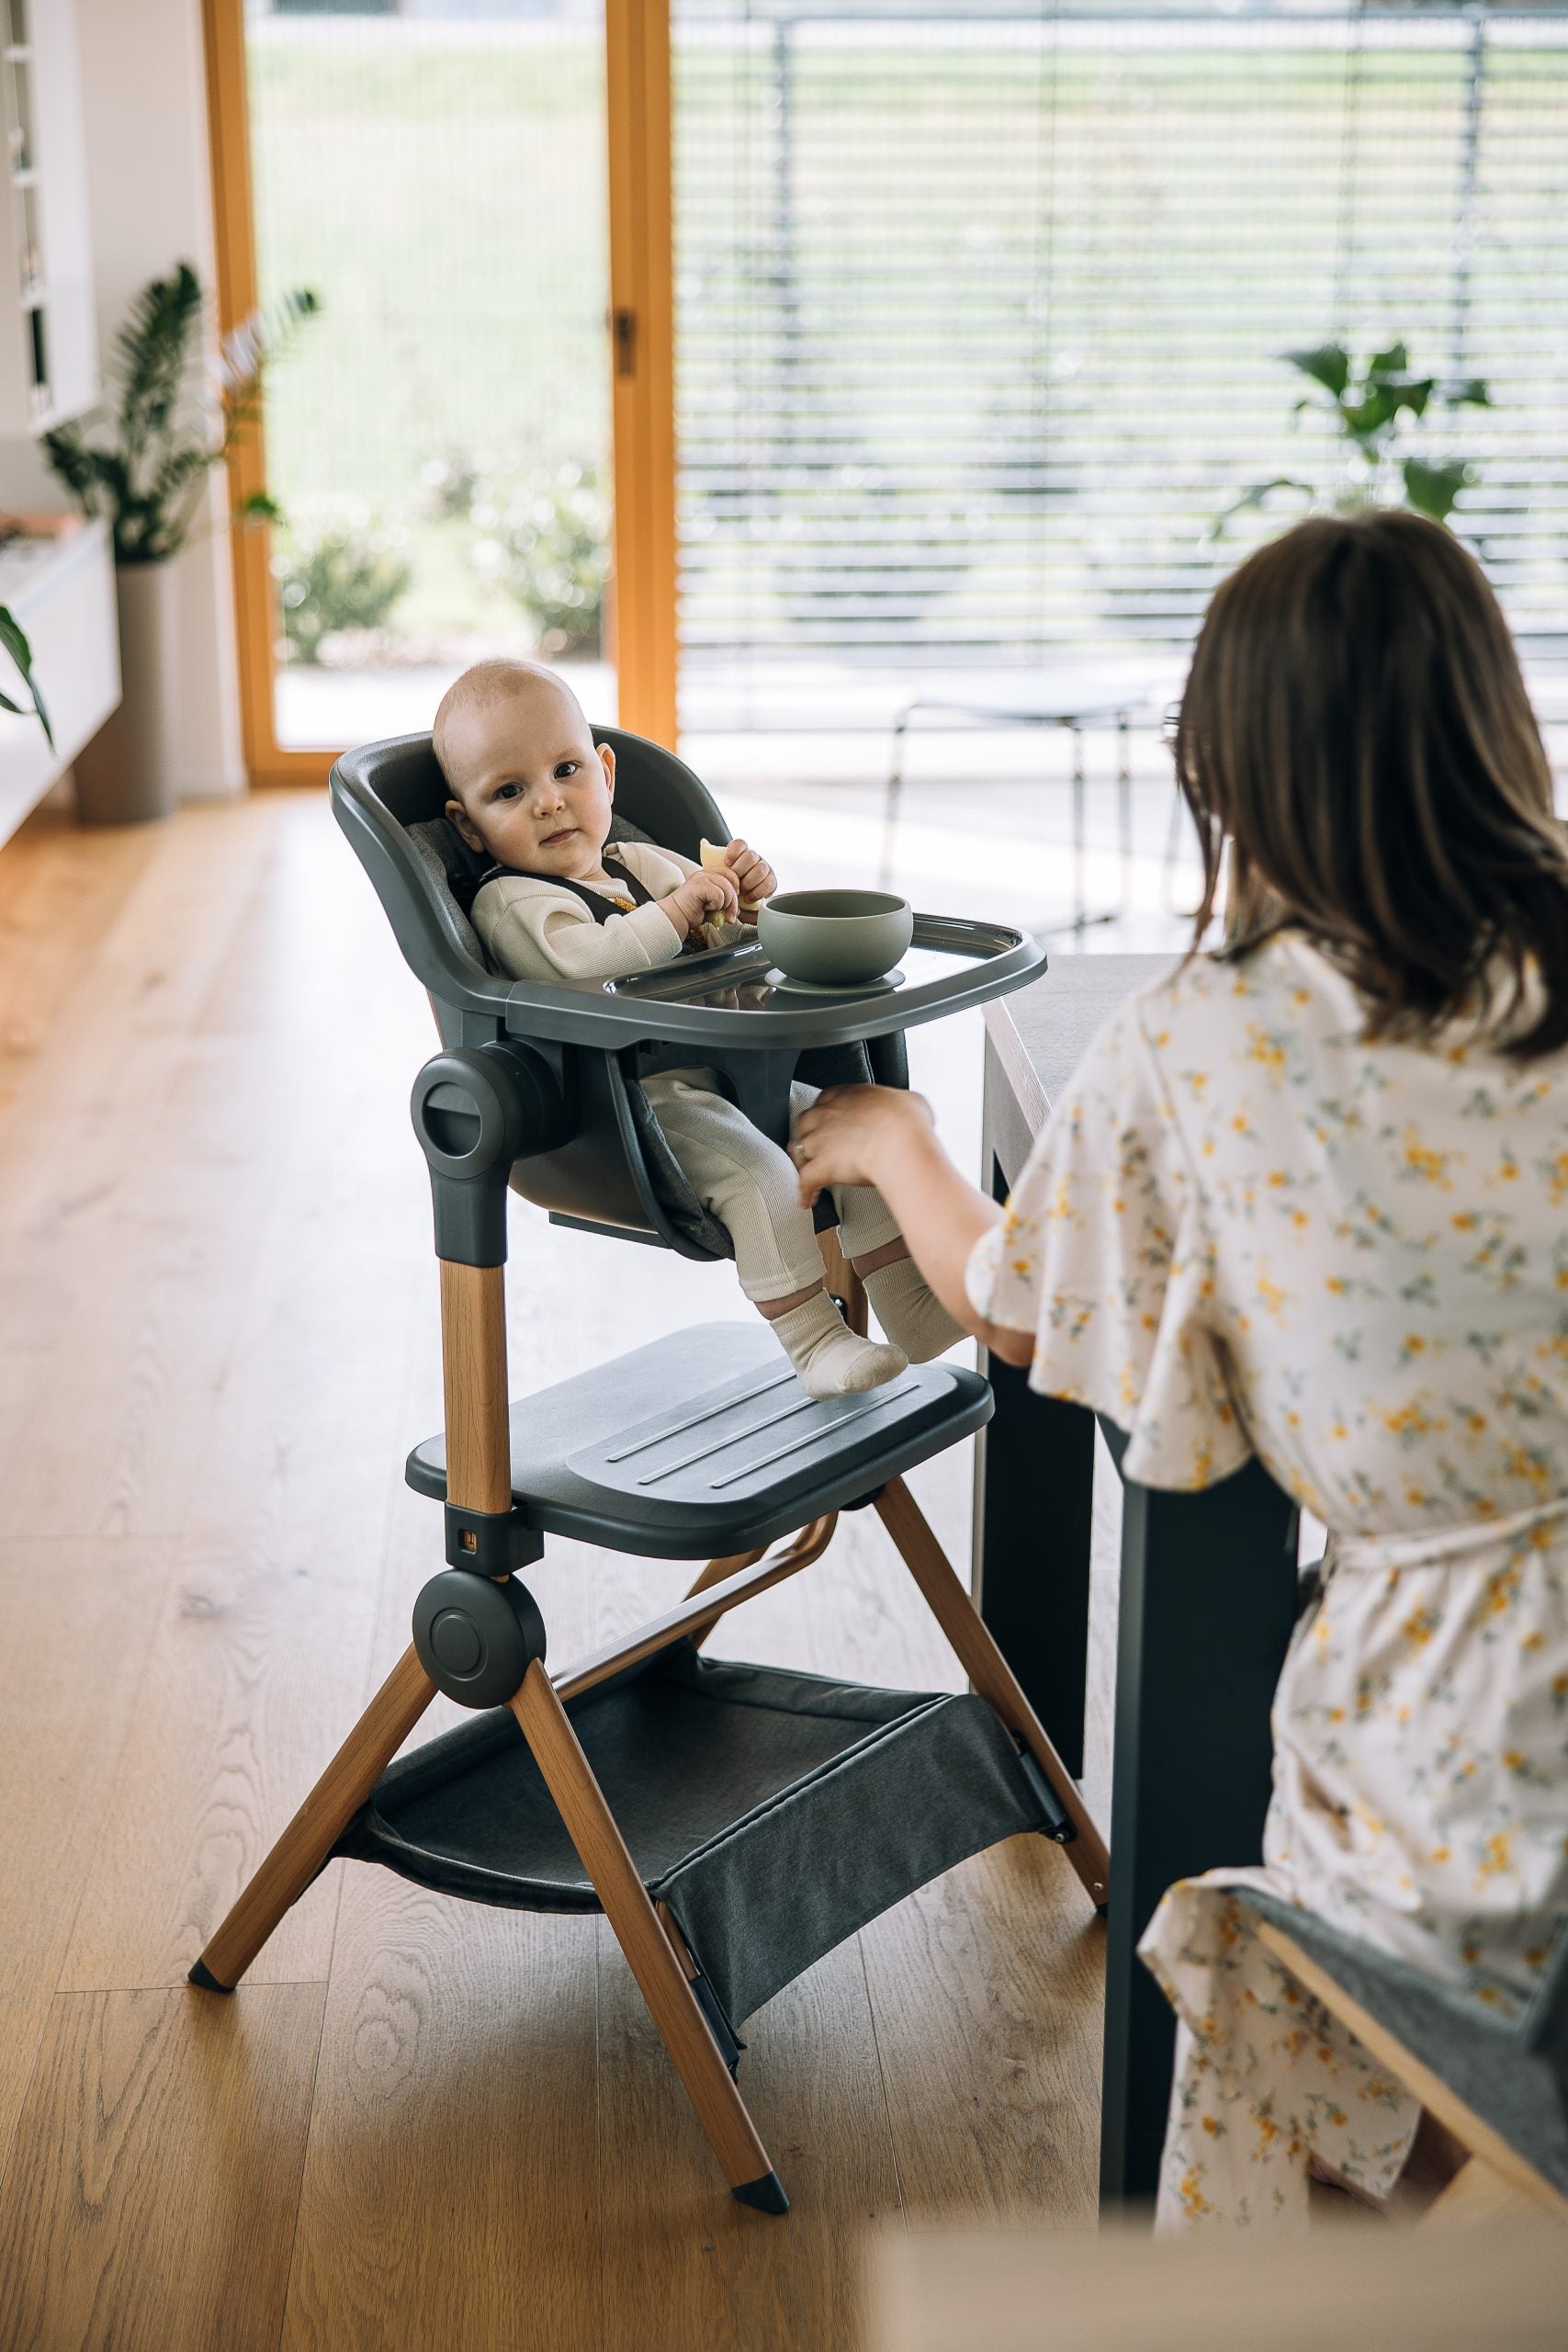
[700, 895]
[754, 876]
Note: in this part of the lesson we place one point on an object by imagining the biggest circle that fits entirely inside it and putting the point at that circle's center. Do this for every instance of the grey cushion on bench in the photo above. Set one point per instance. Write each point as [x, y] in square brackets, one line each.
[1512, 2072]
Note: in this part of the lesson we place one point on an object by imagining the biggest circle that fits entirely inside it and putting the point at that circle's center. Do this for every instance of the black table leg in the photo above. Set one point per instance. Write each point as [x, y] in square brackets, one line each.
[1208, 1602]
[1034, 1520]
[1033, 1514]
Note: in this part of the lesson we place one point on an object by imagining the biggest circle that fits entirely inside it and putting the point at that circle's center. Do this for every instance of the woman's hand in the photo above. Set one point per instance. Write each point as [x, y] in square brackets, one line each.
[851, 1134]
[881, 1137]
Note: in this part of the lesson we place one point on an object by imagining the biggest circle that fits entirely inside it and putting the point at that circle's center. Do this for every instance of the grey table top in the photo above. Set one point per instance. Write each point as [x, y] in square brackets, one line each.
[1039, 1033]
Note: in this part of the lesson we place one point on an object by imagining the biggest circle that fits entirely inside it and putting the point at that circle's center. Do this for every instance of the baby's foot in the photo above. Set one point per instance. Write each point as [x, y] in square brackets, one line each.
[829, 1358]
[910, 1312]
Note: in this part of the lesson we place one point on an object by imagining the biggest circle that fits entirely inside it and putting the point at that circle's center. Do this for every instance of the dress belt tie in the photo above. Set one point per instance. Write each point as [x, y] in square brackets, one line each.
[1427, 1547]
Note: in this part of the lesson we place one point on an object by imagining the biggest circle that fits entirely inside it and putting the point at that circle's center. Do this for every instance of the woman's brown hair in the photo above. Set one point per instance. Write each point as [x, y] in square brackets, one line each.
[1355, 726]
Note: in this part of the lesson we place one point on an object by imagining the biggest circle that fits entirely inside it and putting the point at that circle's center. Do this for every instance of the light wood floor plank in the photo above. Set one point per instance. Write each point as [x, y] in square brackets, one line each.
[987, 1990]
[683, 2266]
[260, 1656]
[58, 885]
[150, 2203]
[451, 2193]
[77, 1621]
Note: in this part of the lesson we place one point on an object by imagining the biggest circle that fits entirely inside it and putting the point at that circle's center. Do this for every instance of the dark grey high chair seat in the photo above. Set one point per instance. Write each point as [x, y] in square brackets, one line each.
[733, 1822]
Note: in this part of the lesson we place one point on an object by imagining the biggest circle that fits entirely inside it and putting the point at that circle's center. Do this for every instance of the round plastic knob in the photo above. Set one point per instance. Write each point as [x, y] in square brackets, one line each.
[476, 1640]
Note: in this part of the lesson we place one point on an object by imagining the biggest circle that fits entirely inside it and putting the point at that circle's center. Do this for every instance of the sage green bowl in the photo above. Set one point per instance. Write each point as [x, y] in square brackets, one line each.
[835, 939]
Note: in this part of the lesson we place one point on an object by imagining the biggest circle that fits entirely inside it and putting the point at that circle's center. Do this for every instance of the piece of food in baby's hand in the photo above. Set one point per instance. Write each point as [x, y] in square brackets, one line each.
[715, 856]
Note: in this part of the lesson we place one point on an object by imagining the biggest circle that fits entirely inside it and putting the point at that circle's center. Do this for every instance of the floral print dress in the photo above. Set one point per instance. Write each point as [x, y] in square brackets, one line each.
[1248, 1230]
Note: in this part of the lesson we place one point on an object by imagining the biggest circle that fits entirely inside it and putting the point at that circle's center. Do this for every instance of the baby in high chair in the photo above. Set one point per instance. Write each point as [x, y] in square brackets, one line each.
[532, 792]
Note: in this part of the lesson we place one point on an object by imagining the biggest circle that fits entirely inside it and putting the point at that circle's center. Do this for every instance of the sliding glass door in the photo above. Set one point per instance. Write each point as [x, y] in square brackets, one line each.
[438, 437]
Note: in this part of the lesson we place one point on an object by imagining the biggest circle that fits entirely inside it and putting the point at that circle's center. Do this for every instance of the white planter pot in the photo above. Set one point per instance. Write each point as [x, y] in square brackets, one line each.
[125, 774]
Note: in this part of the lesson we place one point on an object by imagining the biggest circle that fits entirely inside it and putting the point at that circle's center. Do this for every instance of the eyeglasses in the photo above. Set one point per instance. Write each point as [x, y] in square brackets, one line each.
[1170, 720]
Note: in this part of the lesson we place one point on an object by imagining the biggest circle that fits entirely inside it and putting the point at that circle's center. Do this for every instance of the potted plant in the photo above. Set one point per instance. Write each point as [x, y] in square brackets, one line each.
[1368, 405]
[170, 418]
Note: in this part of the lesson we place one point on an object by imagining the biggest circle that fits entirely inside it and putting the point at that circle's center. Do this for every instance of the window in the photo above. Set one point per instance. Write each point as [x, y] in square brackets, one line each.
[979, 312]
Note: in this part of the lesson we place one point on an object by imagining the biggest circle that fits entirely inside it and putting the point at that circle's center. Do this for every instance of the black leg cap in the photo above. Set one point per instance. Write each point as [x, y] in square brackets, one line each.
[202, 1975]
[766, 2196]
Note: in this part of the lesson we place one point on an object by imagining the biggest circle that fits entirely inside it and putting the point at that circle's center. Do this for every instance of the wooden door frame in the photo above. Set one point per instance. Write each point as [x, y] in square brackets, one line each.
[640, 326]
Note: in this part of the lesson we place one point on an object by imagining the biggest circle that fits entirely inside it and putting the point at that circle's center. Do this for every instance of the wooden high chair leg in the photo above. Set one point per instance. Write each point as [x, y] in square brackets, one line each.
[842, 1280]
[730, 1565]
[810, 1544]
[989, 1672]
[662, 1980]
[317, 1826]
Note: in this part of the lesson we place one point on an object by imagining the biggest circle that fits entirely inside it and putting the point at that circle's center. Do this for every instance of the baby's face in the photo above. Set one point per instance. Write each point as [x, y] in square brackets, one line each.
[535, 787]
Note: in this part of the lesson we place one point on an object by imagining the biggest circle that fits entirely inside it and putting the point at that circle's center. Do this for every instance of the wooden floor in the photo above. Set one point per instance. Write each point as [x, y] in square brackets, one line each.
[419, 2122]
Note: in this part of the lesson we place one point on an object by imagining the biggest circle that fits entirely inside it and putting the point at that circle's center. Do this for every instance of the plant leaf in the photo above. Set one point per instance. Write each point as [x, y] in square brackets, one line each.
[1251, 502]
[1328, 365]
[1470, 394]
[14, 639]
[1432, 488]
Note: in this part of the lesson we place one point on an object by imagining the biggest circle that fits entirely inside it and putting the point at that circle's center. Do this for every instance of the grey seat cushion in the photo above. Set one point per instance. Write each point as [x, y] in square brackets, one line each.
[1510, 2072]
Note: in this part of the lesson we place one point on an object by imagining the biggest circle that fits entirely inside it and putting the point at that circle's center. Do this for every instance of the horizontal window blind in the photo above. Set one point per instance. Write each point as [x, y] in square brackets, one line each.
[981, 311]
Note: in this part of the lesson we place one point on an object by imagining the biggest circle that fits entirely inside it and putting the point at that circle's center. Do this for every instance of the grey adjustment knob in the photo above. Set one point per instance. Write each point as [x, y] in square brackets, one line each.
[476, 1640]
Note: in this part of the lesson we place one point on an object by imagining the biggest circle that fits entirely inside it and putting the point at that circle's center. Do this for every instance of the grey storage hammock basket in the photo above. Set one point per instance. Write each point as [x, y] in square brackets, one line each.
[743, 1793]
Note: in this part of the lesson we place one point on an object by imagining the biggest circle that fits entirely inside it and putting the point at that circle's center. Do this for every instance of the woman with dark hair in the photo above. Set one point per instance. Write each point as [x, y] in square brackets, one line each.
[1307, 1198]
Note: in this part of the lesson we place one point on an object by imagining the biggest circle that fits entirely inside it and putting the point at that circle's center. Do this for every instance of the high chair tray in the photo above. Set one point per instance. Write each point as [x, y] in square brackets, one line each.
[776, 1812]
[706, 1443]
[733, 995]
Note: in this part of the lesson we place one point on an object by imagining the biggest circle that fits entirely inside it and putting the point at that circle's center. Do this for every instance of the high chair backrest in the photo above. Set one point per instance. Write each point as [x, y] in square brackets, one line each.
[390, 798]
[615, 1172]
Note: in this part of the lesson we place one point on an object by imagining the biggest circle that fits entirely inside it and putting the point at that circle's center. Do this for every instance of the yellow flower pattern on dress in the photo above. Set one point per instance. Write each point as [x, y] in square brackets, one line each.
[1246, 1229]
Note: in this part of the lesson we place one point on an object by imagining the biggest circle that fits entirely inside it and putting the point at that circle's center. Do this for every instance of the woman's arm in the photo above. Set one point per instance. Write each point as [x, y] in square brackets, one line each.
[882, 1136]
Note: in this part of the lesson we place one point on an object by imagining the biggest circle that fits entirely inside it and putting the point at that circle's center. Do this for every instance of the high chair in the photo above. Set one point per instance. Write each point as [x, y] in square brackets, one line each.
[733, 1822]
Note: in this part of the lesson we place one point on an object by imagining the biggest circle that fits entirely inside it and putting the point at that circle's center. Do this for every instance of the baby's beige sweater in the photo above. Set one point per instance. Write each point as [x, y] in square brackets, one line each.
[536, 931]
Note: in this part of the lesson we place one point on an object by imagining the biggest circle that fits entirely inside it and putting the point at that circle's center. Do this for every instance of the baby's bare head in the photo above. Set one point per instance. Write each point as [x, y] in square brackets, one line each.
[529, 786]
[506, 703]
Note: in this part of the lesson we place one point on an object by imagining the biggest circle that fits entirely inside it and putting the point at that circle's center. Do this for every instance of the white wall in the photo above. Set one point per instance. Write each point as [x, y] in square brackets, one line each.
[145, 115]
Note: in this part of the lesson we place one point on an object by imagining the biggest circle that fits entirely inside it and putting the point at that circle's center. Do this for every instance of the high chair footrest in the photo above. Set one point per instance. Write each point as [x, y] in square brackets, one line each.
[774, 1813]
[706, 1443]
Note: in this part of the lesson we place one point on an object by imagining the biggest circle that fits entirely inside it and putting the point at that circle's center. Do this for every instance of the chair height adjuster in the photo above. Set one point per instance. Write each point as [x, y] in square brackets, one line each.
[1058, 1824]
[491, 1542]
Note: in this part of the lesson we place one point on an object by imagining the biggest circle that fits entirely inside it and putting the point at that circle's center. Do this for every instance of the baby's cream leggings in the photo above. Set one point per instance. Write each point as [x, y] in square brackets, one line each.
[751, 1187]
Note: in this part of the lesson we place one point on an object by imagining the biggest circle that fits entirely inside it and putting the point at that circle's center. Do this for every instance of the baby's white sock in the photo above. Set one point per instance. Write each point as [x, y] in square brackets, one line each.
[829, 1358]
[909, 1311]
